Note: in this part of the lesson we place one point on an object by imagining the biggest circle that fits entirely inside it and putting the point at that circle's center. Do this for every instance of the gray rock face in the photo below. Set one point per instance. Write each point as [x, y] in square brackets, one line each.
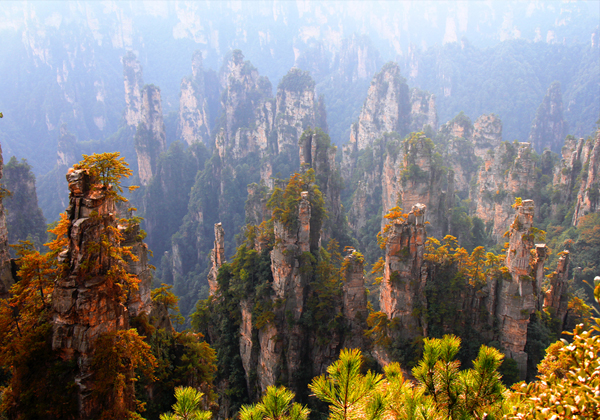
[588, 198]
[6, 279]
[549, 128]
[505, 171]
[193, 124]
[133, 79]
[150, 136]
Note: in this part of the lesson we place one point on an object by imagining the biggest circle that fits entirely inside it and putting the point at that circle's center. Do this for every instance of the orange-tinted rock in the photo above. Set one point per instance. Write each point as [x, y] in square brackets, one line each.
[217, 258]
[403, 286]
[85, 303]
[518, 297]
[588, 198]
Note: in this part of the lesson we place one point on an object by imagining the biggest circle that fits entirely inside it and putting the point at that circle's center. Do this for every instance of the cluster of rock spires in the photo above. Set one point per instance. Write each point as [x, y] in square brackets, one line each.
[499, 310]
[476, 165]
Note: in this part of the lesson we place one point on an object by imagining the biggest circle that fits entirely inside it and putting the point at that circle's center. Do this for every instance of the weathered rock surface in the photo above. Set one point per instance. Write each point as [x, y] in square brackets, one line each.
[217, 258]
[588, 198]
[194, 124]
[354, 300]
[133, 79]
[518, 296]
[487, 134]
[403, 286]
[548, 128]
[150, 136]
[386, 109]
[505, 171]
[6, 279]
[422, 110]
[85, 302]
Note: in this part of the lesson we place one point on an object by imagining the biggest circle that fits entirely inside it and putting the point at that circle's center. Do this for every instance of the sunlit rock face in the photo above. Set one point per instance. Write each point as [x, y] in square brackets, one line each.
[85, 301]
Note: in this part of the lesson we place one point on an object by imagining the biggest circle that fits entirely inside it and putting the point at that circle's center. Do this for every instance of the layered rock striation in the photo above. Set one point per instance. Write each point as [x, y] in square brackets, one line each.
[86, 302]
[150, 137]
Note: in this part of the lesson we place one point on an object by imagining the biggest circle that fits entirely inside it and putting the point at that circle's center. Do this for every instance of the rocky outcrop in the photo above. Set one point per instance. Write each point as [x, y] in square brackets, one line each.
[217, 258]
[193, 125]
[132, 72]
[556, 296]
[505, 171]
[422, 110]
[548, 128]
[282, 356]
[295, 104]
[403, 285]
[86, 303]
[150, 136]
[248, 113]
[386, 109]
[487, 134]
[588, 198]
[24, 219]
[6, 279]
[518, 296]
[357, 59]
[354, 300]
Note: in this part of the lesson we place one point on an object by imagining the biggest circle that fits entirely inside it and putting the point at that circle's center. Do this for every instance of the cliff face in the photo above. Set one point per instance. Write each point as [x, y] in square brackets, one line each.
[295, 109]
[24, 219]
[487, 134]
[519, 296]
[422, 110]
[588, 197]
[193, 124]
[244, 105]
[217, 258]
[354, 300]
[133, 79]
[507, 170]
[150, 137]
[386, 109]
[403, 286]
[548, 129]
[85, 301]
[6, 279]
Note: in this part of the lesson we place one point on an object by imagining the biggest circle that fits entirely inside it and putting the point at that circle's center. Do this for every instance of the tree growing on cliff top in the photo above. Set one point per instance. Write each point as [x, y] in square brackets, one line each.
[109, 169]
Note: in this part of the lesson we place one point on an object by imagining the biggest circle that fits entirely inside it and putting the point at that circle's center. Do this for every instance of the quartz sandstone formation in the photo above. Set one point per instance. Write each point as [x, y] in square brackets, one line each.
[588, 198]
[507, 170]
[6, 278]
[244, 105]
[386, 109]
[193, 124]
[354, 300]
[133, 79]
[403, 286]
[217, 258]
[422, 110]
[487, 134]
[556, 296]
[518, 297]
[85, 303]
[548, 128]
[150, 136]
